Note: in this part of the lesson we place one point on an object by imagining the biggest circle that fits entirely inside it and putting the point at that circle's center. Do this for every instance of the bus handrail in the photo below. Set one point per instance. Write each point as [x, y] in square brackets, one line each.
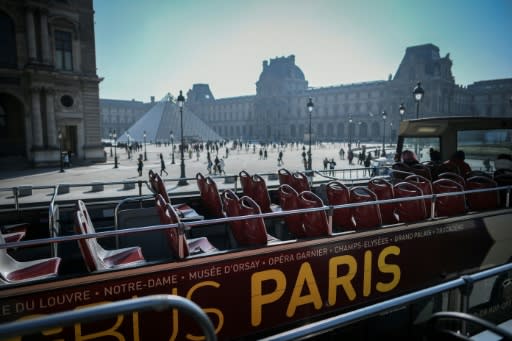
[95, 313]
[347, 318]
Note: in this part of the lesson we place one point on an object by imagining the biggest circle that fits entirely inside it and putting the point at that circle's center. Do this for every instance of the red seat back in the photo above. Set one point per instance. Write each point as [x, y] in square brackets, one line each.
[426, 188]
[315, 223]
[160, 187]
[421, 169]
[300, 182]
[285, 177]
[255, 232]
[484, 200]
[151, 175]
[400, 171]
[260, 193]
[367, 216]
[339, 194]
[87, 246]
[168, 215]
[409, 211]
[384, 190]
[449, 205]
[289, 200]
[246, 182]
[453, 176]
[232, 208]
[201, 183]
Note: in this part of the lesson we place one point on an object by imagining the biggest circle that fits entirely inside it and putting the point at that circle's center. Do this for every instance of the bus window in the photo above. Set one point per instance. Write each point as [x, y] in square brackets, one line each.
[421, 146]
[483, 147]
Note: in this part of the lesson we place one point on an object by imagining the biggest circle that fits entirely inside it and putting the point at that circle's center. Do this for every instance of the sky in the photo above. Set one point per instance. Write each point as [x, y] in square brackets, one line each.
[153, 47]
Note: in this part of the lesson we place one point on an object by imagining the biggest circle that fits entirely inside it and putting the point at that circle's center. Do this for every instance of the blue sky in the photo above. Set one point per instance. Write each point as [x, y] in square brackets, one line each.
[152, 47]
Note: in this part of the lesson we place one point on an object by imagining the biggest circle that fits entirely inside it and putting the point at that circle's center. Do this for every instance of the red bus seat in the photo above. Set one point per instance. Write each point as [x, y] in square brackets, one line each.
[246, 182]
[449, 205]
[159, 184]
[315, 223]
[246, 232]
[178, 242]
[400, 171]
[412, 210]
[384, 190]
[285, 177]
[300, 182]
[254, 227]
[13, 271]
[367, 216]
[339, 194]
[426, 188]
[453, 176]
[289, 200]
[95, 256]
[484, 200]
[421, 169]
[260, 193]
[210, 196]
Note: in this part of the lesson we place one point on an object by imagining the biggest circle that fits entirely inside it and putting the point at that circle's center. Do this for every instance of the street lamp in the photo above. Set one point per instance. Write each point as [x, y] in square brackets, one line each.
[172, 146]
[310, 107]
[384, 116]
[110, 137]
[114, 135]
[59, 136]
[145, 154]
[401, 110]
[418, 93]
[183, 181]
[350, 132]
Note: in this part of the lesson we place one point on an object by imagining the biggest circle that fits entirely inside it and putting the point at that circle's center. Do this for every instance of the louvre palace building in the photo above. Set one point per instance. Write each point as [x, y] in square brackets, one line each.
[49, 94]
[345, 112]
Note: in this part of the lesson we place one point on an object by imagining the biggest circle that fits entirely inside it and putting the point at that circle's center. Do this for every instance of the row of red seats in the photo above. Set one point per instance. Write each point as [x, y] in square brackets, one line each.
[371, 216]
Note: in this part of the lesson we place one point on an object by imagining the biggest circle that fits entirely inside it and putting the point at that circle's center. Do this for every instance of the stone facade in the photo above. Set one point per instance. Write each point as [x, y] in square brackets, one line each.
[348, 112]
[48, 81]
[120, 115]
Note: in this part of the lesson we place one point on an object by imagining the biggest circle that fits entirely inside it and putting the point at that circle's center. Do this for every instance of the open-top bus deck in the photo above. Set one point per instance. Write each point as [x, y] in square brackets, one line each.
[259, 260]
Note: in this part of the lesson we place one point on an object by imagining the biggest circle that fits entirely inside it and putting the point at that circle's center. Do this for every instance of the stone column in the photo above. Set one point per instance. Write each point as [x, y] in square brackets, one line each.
[45, 39]
[51, 126]
[31, 35]
[37, 127]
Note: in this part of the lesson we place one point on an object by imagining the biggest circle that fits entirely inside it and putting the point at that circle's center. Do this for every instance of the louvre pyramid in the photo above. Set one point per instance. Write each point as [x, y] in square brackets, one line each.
[163, 118]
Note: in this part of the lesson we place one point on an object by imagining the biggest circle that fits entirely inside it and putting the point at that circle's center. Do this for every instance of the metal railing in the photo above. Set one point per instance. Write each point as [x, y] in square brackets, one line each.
[345, 319]
[66, 318]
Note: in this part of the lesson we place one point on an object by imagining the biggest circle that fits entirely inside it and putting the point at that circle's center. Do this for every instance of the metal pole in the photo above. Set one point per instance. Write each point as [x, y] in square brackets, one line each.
[417, 109]
[309, 152]
[145, 154]
[115, 152]
[183, 181]
[60, 153]
[172, 152]
[384, 139]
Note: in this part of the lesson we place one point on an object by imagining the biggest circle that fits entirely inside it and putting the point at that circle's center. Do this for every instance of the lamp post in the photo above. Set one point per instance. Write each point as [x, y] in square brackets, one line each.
[114, 135]
[171, 135]
[110, 137]
[418, 93]
[59, 136]
[401, 110]
[384, 116]
[310, 107]
[181, 102]
[350, 132]
[145, 154]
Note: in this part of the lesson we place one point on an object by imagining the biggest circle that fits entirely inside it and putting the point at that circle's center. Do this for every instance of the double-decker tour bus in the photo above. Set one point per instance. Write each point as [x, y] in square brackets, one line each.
[260, 259]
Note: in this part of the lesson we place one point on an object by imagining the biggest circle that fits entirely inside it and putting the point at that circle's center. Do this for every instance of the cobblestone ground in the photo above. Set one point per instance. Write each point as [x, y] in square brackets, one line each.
[235, 161]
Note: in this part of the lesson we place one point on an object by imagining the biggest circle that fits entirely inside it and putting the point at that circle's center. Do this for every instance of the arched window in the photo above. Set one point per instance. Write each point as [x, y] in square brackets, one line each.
[7, 41]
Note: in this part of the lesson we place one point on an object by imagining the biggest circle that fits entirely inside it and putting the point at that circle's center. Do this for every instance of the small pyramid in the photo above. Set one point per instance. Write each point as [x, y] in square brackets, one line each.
[164, 118]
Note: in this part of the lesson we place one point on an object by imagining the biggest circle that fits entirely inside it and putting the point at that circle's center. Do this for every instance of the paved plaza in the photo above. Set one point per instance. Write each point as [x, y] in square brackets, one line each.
[236, 161]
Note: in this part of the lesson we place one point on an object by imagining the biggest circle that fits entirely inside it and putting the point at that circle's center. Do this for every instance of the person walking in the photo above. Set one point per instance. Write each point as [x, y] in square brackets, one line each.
[162, 165]
[140, 165]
